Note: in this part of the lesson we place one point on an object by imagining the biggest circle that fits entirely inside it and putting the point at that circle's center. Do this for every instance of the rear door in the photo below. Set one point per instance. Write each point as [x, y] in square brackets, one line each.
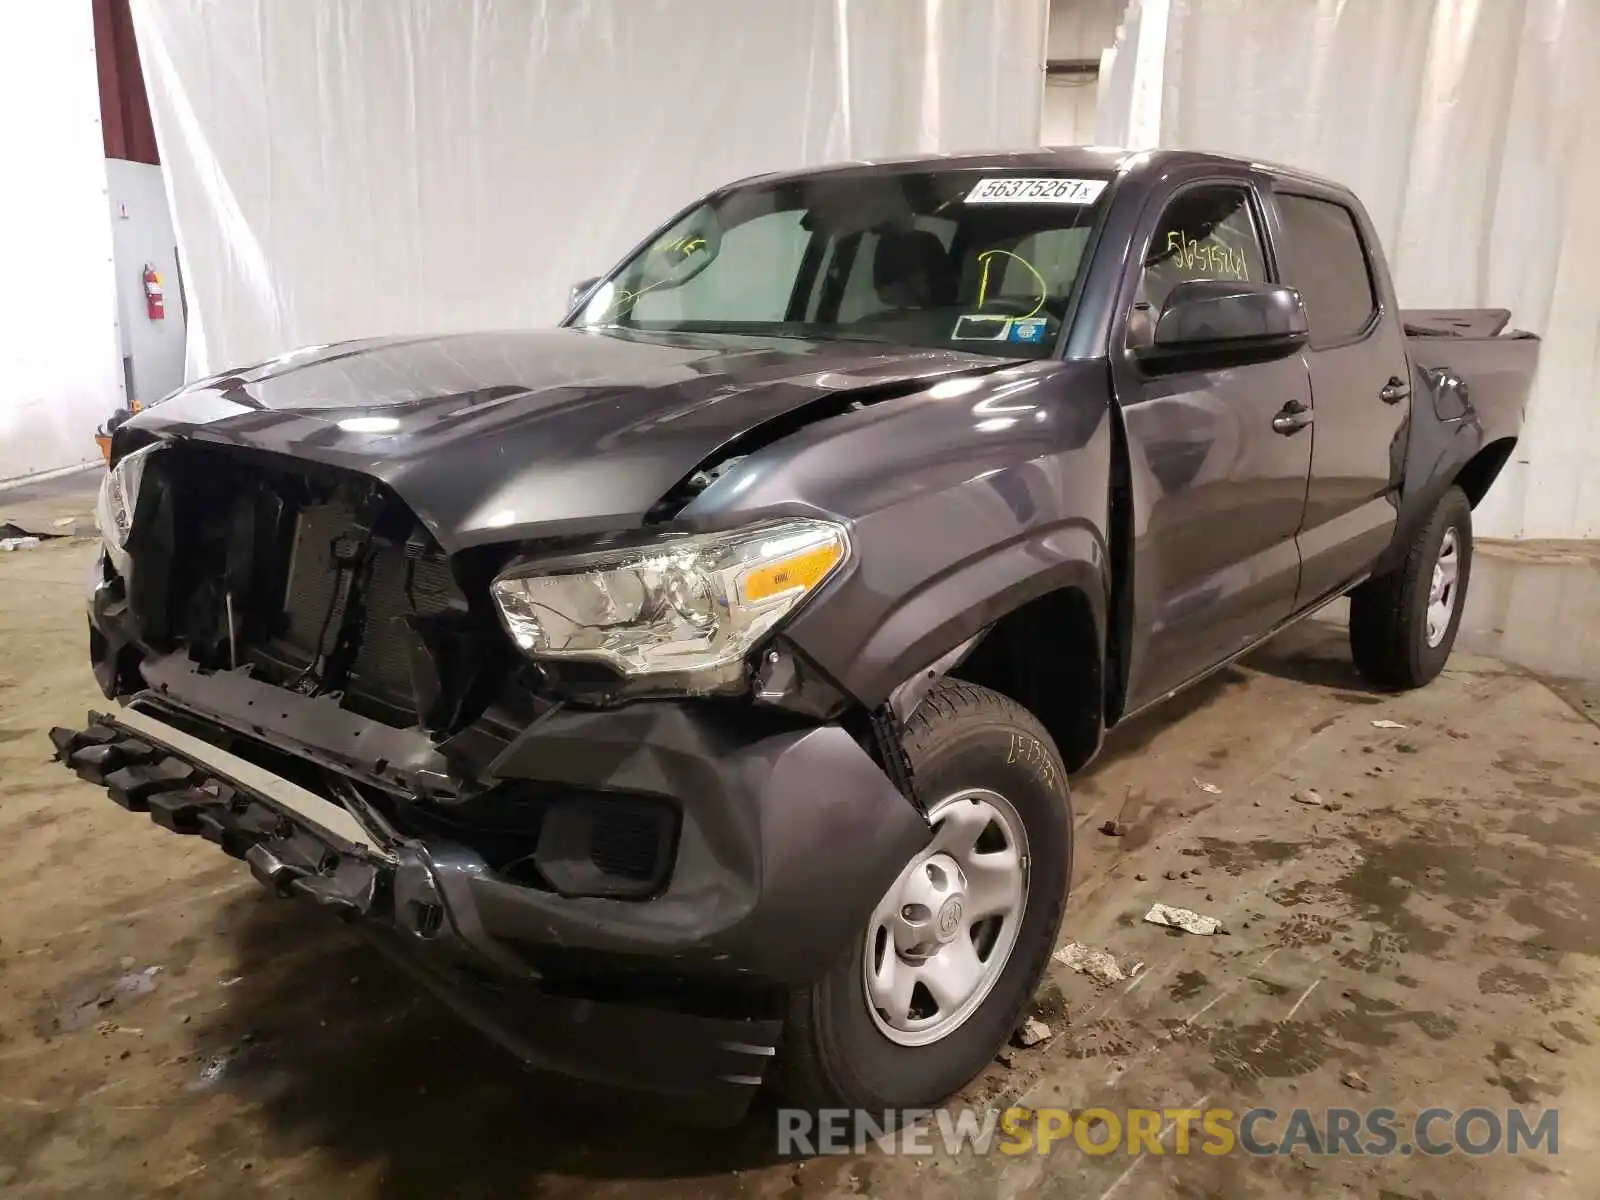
[1360, 386]
[1217, 494]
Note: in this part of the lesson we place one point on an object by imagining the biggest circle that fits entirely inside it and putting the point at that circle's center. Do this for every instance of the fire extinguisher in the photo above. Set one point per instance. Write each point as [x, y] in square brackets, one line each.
[155, 302]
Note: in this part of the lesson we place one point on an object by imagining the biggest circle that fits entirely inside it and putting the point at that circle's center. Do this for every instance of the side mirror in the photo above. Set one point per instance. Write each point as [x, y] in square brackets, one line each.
[1213, 323]
[580, 291]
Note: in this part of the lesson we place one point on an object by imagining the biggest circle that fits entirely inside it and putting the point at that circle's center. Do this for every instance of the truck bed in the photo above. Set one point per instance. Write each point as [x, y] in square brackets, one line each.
[1474, 346]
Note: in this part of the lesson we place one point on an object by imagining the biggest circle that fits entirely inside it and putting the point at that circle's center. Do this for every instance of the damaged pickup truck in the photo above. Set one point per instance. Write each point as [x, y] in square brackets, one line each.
[688, 693]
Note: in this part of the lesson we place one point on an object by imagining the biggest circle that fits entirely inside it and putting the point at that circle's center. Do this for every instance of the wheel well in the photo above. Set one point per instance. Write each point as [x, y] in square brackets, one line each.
[1047, 657]
[1481, 470]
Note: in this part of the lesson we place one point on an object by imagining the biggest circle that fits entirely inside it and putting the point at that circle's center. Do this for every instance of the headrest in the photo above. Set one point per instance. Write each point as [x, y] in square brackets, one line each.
[910, 269]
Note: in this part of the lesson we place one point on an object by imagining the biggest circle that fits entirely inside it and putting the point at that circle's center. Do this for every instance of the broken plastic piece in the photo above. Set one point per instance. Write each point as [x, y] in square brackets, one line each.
[1099, 965]
[1209, 788]
[1185, 919]
[1387, 724]
[1031, 1032]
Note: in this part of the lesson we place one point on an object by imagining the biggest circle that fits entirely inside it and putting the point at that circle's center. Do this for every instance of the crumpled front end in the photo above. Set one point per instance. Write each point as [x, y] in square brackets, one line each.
[313, 685]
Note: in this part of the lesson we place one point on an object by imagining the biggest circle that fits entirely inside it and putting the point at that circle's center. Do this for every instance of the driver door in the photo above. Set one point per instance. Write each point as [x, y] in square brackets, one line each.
[1218, 494]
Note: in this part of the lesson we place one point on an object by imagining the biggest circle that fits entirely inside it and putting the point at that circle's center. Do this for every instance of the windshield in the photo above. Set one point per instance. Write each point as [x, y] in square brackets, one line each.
[982, 261]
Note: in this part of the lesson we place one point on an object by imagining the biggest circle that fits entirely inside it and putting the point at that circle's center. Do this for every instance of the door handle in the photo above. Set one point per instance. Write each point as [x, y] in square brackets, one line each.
[1291, 419]
[1394, 391]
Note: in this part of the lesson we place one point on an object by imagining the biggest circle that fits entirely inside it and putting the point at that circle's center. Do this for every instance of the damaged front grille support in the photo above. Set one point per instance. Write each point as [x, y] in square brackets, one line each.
[353, 558]
[312, 579]
[146, 778]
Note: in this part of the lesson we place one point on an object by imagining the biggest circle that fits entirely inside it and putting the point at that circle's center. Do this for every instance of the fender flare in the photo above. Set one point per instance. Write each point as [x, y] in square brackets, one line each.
[1448, 435]
[934, 628]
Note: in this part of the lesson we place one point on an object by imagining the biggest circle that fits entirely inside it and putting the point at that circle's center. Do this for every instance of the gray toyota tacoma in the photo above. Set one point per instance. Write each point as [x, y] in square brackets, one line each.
[688, 694]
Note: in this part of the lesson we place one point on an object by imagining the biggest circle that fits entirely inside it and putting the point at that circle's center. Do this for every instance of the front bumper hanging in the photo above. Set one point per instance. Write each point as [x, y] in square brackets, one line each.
[299, 844]
[759, 899]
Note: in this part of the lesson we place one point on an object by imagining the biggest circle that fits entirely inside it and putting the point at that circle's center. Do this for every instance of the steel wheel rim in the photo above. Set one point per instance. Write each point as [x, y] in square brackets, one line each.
[1442, 590]
[940, 938]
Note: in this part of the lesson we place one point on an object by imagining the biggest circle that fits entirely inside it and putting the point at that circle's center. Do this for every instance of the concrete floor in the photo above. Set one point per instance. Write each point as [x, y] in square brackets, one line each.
[166, 1028]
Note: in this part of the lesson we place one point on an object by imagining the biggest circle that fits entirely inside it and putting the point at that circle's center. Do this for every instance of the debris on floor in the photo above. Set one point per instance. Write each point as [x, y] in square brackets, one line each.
[1353, 1080]
[1209, 788]
[18, 543]
[1308, 796]
[88, 1004]
[12, 531]
[1387, 724]
[1114, 829]
[213, 1072]
[1185, 919]
[1099, 965]
[1032, 1032]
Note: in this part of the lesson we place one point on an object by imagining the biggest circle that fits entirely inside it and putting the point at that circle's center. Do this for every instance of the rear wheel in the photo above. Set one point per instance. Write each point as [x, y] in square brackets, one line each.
[951, 955]
[1403, 624]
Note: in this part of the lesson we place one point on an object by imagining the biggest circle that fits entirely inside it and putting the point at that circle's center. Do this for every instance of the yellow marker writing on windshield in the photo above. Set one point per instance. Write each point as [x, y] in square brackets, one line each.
[684, 246]
[988, 256]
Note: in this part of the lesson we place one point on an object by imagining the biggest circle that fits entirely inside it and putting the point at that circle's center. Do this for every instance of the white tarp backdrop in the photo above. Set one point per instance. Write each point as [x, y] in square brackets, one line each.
[60, 367]
[361, 167]
[1471, 130]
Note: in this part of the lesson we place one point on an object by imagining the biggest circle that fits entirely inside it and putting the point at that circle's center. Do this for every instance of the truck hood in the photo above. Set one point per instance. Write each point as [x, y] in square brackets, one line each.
[495, 437]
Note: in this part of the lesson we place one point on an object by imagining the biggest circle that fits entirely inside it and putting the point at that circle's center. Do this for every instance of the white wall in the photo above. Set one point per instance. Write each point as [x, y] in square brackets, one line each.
[1079, 29]
[60, 374]
[362, 167]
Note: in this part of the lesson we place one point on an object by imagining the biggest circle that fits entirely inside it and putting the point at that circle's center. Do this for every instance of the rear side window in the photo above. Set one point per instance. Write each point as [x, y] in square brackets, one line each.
[1324, 260]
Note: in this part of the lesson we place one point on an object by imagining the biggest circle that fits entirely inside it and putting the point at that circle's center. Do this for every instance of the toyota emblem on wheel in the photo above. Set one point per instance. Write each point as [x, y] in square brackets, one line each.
[949, 919]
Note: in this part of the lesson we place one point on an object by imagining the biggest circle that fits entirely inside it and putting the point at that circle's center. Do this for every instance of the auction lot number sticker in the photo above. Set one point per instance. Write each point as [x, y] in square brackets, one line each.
[1054, 190]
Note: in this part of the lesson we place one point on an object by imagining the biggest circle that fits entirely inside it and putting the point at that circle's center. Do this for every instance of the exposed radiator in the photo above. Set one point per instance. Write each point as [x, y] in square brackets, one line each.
[408, 580]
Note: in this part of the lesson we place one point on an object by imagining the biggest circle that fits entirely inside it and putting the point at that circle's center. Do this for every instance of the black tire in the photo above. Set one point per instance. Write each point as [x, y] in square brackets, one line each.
[1389, 613]
[834, 1054]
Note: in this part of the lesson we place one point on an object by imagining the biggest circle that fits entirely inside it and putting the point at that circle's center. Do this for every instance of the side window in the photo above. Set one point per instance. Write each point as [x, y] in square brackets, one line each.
[753, 275]
[1324, 260]
[1205, 233]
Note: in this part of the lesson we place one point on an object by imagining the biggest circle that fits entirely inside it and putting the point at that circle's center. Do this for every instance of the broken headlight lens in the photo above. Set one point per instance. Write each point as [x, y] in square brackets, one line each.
[118, 501]
[693, 604]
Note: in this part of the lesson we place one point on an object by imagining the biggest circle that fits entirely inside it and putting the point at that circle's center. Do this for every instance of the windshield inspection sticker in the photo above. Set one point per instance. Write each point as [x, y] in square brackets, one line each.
[981, 327]
[1028, 329]
[1037, 191]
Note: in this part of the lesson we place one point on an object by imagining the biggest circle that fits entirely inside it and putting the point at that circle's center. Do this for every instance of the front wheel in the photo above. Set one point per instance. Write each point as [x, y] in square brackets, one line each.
[951, 955]
[1403, 623]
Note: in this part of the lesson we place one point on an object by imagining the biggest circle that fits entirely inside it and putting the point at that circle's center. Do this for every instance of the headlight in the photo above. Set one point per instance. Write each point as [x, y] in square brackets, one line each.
[118, 501]
[691, 604]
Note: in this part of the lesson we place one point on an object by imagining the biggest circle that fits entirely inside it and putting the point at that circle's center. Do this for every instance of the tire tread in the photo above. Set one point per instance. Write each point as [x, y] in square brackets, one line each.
[1386, 623]
[803, 1073]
